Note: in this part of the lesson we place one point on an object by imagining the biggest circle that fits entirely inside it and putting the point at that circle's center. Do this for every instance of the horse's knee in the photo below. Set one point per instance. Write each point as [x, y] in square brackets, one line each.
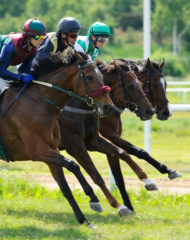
[72, 166]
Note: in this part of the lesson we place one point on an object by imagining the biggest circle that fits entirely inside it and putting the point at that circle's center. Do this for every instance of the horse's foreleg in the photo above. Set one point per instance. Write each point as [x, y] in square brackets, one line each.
[98, 143]
[142, 154]
[80, 153]
[118, 176]
[59, 177]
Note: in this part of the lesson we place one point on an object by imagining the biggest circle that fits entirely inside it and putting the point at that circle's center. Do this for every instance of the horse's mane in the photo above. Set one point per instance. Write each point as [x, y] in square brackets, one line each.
[49, 64]
[103, 67]
[140, 65]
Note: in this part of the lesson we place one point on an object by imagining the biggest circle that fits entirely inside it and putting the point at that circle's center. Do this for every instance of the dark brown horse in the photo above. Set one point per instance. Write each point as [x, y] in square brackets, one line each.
[30, 131]
[151, 75]
[79, 125]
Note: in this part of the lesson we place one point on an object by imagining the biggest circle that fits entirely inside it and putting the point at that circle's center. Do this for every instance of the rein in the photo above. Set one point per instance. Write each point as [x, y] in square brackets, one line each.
[87, 100]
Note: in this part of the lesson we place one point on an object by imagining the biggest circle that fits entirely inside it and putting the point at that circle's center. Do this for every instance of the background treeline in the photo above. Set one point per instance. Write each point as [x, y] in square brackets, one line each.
[170, 25]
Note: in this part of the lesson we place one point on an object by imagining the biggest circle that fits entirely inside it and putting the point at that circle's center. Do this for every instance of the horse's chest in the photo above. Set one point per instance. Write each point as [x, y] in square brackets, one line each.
[90, 125]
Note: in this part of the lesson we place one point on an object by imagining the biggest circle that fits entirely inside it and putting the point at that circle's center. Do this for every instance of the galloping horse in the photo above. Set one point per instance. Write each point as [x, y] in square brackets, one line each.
[154, 85]
[79, 125]
[30, 131]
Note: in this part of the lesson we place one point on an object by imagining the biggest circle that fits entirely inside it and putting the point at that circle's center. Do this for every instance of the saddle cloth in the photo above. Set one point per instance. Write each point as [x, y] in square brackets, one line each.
[4, 85]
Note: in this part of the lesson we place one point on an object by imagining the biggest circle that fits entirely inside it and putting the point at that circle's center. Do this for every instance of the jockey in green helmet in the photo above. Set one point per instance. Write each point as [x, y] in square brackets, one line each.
[98, 35]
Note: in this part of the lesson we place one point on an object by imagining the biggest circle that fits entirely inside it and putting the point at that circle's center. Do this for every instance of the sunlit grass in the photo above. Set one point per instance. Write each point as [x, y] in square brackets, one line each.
[37, 213]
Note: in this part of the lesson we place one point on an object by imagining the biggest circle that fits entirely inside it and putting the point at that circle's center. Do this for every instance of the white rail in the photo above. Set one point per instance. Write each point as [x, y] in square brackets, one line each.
[178, 83]
[147, 124]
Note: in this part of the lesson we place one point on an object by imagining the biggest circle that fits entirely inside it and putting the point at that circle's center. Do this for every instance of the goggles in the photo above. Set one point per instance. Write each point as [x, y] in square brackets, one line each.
[38, 37]
[73, 35]
[102, 39]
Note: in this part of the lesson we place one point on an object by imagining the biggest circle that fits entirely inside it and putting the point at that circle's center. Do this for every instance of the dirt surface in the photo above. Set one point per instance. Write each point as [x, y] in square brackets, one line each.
[179, 185]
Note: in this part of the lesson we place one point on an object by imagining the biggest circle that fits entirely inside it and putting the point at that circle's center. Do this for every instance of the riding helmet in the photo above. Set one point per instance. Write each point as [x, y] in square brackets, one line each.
[34, 27]
[68, 24]
[99, 28]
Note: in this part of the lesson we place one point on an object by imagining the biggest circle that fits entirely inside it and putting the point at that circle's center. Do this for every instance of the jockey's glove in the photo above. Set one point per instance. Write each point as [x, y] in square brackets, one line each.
[26, 78]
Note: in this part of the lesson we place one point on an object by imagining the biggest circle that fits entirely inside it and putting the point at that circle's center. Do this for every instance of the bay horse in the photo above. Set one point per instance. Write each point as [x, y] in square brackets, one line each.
[30, 130]
[79, 125]
[154, 85]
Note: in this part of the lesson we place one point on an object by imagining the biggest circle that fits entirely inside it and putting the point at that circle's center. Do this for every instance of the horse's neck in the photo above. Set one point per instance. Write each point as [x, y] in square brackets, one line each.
[76, 103]
[62, 80]
[142, 78]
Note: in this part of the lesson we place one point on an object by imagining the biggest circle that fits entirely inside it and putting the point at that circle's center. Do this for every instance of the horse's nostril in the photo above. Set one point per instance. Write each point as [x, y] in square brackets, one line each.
[149, 112]
[166, 113]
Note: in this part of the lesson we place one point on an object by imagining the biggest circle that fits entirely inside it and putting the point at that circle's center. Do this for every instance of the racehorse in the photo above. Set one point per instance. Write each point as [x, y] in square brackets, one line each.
[79, 125]
[154, 85]
[30, 130]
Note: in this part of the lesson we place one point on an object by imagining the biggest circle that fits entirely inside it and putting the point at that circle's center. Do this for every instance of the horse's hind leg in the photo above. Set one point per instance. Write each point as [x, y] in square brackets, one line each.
[59, 177]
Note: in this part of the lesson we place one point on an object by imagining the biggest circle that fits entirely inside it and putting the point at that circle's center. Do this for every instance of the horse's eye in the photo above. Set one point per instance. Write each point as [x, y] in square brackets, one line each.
[154, 85]
[89, 78]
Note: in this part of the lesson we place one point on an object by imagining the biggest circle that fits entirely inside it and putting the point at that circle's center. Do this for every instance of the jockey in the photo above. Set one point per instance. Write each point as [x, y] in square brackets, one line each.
[21, 48]
[58, 42]
[98, 35]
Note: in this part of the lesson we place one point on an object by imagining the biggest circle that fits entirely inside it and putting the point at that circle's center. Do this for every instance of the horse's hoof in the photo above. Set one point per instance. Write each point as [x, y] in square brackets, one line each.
[123, 210]
[96, 206]
[174, 174]
[151, 187]
[90, 225]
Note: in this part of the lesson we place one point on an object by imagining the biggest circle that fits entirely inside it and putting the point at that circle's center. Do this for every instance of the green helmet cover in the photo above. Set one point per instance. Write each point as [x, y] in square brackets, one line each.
[99, 28]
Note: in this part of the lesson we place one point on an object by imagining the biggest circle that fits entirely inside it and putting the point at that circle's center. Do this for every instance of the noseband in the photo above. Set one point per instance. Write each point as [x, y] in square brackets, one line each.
[89, 94]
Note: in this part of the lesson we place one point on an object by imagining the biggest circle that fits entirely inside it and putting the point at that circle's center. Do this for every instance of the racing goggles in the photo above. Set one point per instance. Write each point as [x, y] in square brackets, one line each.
[102, 39]
[38, 37]
[73, 35]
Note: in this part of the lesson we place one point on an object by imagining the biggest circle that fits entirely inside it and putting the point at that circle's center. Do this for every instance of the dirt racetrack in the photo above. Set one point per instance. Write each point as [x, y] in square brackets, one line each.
[178, 186]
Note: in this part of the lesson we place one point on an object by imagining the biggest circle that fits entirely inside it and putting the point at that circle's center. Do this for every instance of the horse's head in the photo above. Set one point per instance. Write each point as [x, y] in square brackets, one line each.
[155, 89]
[126, 90]
[90, 84]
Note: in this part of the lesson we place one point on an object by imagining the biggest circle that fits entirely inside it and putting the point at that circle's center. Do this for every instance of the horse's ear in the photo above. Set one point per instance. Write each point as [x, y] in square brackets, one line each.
[117, 66]
[79, 57]
[149, 64]
[162, 63]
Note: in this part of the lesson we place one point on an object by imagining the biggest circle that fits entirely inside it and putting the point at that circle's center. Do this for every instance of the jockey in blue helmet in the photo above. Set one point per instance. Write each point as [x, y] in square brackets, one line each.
[67, 33]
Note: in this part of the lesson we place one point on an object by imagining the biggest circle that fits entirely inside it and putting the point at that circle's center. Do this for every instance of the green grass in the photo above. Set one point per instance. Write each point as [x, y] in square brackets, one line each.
[26, 214]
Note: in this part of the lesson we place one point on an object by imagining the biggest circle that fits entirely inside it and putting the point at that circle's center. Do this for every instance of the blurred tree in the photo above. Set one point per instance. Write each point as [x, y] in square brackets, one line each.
[171, 18]
[14, 8]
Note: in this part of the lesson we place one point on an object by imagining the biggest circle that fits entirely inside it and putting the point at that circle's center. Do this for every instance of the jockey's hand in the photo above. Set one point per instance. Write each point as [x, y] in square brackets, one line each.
[27, 78]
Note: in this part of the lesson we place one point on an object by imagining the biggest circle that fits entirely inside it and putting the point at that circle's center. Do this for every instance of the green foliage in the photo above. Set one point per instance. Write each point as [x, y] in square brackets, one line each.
[124, 19]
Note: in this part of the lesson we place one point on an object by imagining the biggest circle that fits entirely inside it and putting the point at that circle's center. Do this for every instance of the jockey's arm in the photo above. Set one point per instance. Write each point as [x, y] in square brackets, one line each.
[79, 48]
[7, 53]
[45, 49]
[26, 66]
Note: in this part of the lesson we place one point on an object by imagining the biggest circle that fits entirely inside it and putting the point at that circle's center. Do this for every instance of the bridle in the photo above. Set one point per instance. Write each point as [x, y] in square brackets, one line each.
[149, 90]
[132, 105]
[89, 94]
